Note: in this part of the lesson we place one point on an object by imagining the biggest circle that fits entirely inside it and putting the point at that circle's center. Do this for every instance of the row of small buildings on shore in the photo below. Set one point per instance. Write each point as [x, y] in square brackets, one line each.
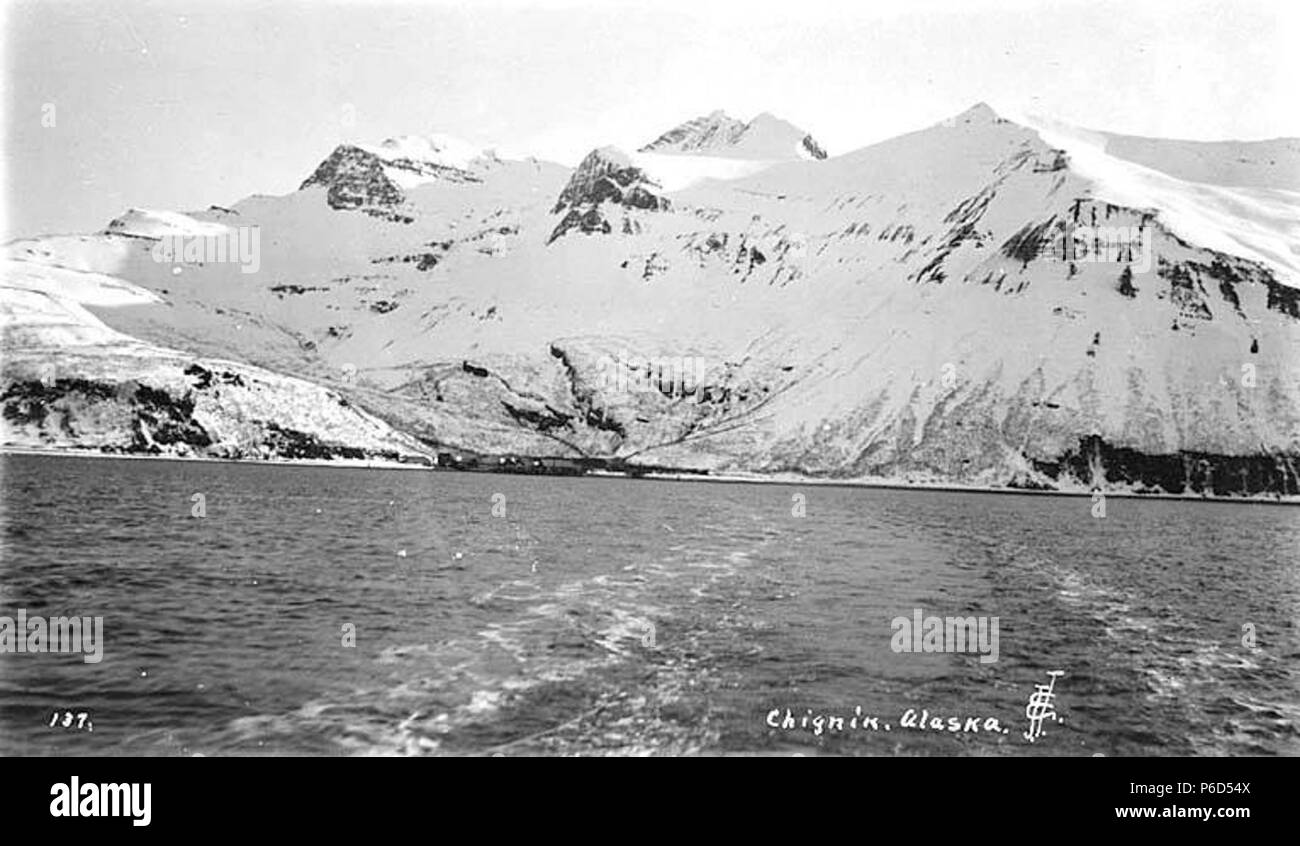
[537, 465]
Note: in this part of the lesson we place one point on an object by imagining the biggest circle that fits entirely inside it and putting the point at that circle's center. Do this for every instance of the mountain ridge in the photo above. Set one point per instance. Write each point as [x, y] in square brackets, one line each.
[899, 312]
[719, 134]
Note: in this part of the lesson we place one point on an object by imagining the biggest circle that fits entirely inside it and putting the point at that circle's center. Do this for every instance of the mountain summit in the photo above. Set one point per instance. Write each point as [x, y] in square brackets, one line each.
[605, 175]
[360, 175]
[719, 134]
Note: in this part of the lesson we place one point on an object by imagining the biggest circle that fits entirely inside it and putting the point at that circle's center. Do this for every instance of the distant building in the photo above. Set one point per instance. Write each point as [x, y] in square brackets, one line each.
[422, 460]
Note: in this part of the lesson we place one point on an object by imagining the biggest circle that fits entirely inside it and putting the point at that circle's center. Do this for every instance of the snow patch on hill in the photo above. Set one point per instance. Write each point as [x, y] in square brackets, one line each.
[676, 172]
[437, 150]
[153, 223]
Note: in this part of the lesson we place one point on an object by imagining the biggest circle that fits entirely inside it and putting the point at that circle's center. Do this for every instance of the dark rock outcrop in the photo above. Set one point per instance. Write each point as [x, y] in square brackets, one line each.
[154, 418]
[814, 149]
[1103, 465]
[354, 178]
[605, 177]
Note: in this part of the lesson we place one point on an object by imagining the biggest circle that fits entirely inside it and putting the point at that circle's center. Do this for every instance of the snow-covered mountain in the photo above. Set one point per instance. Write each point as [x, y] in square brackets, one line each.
[766, 137]
[717, 146]
[366, 176]
[606, 179]
[929, 309]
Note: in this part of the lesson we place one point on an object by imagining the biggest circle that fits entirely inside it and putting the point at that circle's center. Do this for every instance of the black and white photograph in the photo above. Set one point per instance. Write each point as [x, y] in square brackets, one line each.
[650, 379]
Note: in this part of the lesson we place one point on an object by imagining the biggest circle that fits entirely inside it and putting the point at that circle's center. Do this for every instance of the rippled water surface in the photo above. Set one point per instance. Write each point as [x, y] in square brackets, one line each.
[615, 616]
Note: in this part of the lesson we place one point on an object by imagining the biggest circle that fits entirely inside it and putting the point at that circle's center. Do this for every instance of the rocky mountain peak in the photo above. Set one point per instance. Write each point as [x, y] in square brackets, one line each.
[606, 176]
[980, 113]
[353, 178]
[766, 137]
[361, 175]
[711, 131]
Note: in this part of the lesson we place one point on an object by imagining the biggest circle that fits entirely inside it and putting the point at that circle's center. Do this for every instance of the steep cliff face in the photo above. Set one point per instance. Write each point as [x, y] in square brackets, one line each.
[968, 304]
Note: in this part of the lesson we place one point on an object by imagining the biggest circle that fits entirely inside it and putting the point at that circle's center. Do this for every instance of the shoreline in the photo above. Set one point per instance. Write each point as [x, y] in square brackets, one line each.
[352, 463]
[729, 479]
[950, 487]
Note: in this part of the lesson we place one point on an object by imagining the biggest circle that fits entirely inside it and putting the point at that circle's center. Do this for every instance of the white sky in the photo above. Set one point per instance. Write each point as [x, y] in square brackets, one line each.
[182, 104]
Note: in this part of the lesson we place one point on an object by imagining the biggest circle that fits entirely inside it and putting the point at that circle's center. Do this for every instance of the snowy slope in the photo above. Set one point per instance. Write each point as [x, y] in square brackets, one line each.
[1234, 197]
[151, 223]
[412, 160]
[70, 381]
[1274, 163]
[897, 312]
[717, 146]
